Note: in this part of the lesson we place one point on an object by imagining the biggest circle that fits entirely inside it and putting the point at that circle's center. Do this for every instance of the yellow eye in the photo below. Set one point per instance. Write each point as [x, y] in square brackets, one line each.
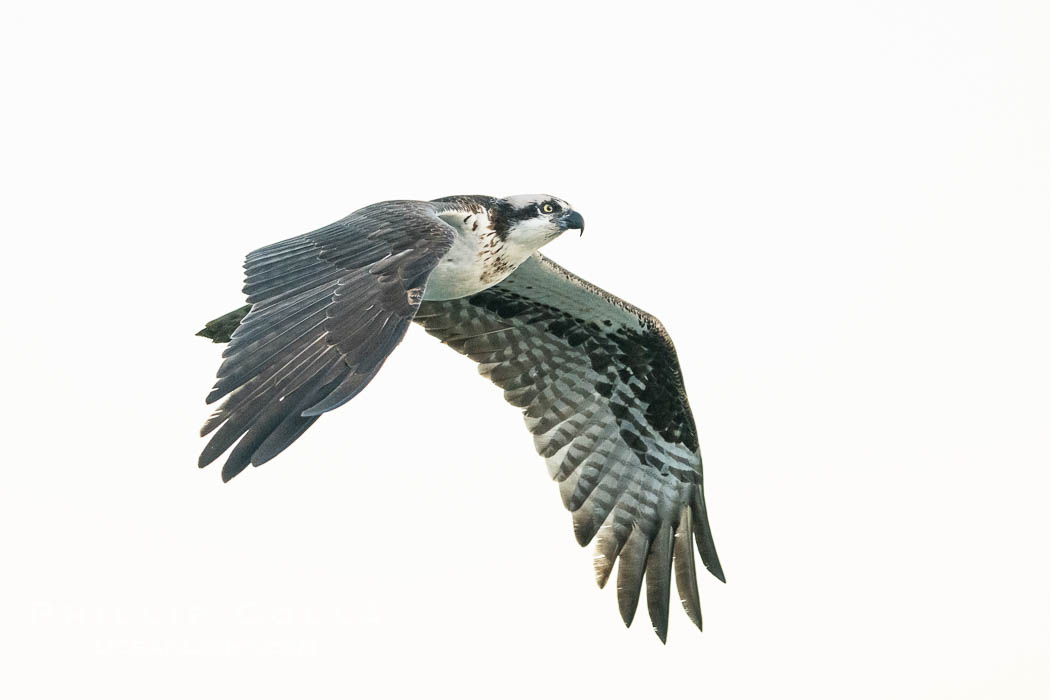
[547, 209]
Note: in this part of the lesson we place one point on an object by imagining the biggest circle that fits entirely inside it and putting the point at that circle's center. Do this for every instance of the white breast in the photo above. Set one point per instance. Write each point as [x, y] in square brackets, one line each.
[475, 262]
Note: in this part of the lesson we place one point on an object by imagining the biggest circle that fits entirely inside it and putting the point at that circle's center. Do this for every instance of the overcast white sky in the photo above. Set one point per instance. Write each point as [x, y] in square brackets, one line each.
[840, 210]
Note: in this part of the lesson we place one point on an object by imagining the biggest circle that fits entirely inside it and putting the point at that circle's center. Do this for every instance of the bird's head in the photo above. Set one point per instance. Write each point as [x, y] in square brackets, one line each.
[530, 221]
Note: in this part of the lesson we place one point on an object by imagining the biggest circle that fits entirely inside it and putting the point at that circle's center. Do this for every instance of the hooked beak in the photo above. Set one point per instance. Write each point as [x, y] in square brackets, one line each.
[572, 220]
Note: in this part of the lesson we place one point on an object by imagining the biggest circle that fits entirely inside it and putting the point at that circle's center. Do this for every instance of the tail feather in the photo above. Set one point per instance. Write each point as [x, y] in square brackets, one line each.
[220, 329]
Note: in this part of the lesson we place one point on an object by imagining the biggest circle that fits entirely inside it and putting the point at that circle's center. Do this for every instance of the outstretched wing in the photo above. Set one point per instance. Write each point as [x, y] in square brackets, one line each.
[328, 307]
[602, 393]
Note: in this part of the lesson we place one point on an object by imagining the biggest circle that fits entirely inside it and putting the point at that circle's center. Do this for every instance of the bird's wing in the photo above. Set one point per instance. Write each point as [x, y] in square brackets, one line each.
[328, 307]
[602, 393]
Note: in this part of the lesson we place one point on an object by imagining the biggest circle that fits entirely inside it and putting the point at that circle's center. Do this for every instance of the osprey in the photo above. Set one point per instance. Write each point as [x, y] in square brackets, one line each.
[597, 379]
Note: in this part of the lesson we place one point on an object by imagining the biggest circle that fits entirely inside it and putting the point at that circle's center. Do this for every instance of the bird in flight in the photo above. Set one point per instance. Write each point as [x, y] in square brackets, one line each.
[597, 379]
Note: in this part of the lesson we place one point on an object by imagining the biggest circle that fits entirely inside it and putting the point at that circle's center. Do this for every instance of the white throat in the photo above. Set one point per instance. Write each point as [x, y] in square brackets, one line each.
[477, 259]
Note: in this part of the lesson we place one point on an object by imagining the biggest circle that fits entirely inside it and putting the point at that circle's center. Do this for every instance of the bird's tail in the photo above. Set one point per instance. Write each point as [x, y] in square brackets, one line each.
[220, 329]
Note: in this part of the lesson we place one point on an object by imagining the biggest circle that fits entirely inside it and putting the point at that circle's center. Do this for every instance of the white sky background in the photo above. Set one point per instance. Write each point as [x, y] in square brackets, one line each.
[841, 211]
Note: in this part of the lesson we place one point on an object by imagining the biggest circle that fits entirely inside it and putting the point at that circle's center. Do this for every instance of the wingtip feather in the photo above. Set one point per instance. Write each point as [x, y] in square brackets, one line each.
[658, 580]
[685, 568]
[605, 553]
[629, 574]
[233, 467]
[705, 543]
